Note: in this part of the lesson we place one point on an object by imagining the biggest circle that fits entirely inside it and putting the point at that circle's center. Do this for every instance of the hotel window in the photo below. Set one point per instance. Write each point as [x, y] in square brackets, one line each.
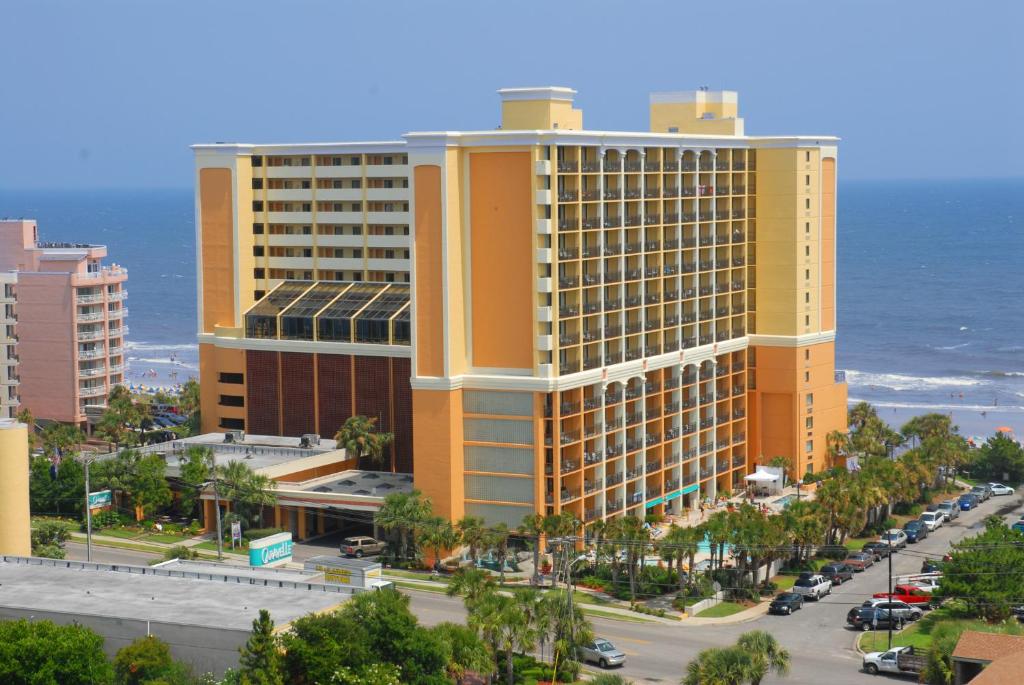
[257, 250]
[807, 274]
[257, 160]
[807, 250]
[258, 294]
[807, 156]
[232, 401]
[807, 203]
[232, 424]
[807, 228]
[258, 273]
[809, 423]
[354, 161]
[807, 355]
[810, 445]
[810, 399]
[807, 376]
[807, 319]
[257, 229]
[357, 253]
[257, 184]
[257, 205]
[807, 298]
[807, 180]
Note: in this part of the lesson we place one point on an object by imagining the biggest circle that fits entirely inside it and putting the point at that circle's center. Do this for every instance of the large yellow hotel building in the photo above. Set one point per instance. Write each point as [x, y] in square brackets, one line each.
[548, 318]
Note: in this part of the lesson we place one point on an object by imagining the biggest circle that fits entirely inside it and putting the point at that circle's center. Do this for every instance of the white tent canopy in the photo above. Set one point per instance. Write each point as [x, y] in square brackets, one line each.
[760, 476]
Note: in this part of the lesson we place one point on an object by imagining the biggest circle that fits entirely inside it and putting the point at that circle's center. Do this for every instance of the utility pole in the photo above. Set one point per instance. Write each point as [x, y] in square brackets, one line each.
[88, 514]
[892, 550]
[216, 506]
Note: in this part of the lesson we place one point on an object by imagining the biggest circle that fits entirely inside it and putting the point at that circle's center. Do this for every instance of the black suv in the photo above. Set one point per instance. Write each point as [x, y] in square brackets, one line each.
[866, 618]
[837, 573]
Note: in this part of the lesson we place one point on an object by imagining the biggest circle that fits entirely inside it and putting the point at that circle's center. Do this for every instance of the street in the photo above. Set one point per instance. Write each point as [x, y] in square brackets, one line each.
[821, 646]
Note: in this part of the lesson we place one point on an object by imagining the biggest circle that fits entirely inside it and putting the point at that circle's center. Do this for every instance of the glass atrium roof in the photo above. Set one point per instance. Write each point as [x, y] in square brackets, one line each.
[327, 310]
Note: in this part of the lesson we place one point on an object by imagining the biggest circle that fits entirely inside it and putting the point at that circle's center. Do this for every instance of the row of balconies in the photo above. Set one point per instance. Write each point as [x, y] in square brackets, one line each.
[593, 166]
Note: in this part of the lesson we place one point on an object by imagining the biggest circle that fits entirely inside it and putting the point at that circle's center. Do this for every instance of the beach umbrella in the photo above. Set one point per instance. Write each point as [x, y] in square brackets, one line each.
[1003, 429]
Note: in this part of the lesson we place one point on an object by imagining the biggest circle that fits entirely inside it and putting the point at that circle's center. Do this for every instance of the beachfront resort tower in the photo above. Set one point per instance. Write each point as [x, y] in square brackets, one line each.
[8, 341]
[548, 318]
[70, 322]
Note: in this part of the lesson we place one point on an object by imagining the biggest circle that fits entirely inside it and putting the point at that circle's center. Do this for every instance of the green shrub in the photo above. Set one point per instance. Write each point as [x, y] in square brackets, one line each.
[181, 552]
[145, 661]
[257, 533]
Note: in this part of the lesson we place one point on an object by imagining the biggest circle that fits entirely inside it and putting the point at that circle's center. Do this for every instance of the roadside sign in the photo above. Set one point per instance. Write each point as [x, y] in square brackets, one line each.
[99, 500]
[236, 533]
[272, 550]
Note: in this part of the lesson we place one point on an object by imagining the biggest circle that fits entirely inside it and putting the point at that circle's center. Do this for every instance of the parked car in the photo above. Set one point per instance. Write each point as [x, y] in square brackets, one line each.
[915, 531]
[813, 586]
[950, 509]
[879, 550]
[603, 653]
[909, 594]
[899, 609]
[866, 618]
[894, 537]
[1000, 489]
[859, 560]
[1019, 525]
[932, 520]
[968, 501]
[983, 491]
[896, 660]
[786, 603]
[837, 573]
[361, 546]
[930, 566]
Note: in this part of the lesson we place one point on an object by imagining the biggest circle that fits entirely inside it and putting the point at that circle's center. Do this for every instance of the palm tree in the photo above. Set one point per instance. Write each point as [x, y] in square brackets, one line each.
[637, 539]
[404, 514]
[247, 490]
[359, 436]
[497, 539]
[533, 527]
[474, 534]
[767, 654]
[539, 614]
[504, 623]
[837, 446]
[784, 463]
[682, 543]
[439, 534]
[472, 584]
[720, 666]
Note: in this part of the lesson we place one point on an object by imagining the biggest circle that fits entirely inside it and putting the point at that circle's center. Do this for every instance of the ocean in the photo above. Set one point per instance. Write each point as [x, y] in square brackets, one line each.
[929, 287]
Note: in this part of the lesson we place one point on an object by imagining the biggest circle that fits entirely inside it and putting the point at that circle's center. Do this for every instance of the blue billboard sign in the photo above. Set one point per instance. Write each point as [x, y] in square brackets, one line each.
[272, 550]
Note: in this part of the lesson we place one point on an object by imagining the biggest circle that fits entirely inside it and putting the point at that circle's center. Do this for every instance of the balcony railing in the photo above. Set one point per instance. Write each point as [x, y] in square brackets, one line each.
[568, 195]
[89, 299]
[92, 371]
[93, 391]
[567, 167]
[93, 354]
[89, 316]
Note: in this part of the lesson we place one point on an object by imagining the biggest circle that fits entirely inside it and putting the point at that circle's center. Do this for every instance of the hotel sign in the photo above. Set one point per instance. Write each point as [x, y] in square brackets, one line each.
[99, 500]
[273, 550]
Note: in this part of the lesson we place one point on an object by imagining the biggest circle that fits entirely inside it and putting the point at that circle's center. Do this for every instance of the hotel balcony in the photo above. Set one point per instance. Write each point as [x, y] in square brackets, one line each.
[94, 391]
[92, 371]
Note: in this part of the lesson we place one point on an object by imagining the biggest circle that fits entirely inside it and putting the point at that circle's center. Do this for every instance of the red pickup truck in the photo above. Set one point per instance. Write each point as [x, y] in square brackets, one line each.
[910, 594]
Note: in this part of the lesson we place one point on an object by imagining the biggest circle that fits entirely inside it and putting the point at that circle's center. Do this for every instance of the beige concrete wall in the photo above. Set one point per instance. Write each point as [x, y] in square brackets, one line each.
[15, 535]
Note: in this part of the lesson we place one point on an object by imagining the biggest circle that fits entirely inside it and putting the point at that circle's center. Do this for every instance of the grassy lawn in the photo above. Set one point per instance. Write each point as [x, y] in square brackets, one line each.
[784, 582]
[919, 634]
[123, 533]
[211, 546]
[70, 525]
[418, 587]
[587, 598]
[413, 575]
[722, 610]
[164, 538]
[637, 618]
[854, 544]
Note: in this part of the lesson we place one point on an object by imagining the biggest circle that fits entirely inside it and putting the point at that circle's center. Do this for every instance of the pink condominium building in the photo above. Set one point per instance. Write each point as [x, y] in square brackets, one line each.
[70, 322]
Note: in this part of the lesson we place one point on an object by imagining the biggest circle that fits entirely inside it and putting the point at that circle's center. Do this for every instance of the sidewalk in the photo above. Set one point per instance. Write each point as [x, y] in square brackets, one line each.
[158, 547]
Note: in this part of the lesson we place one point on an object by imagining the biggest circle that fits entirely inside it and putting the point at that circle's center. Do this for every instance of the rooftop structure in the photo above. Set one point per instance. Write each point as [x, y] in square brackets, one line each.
[604, 322]
[988, 658]
[71, 322]
[204, 617]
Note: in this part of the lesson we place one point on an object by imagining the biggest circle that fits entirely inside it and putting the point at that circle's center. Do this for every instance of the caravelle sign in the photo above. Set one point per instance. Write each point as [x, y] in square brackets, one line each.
[271, 551]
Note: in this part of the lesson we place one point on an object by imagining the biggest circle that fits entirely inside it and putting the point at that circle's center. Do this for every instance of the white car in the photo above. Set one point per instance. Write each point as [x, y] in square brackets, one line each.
[813, 587]
[932, 520]
[1000, 489]
[894, 537]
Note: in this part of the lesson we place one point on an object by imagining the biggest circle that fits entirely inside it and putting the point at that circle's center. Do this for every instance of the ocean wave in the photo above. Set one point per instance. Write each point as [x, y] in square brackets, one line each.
[1011, 348]
[157, 347]
[1011, 408]
[898, 382]
[1000, 374]
[946, 348]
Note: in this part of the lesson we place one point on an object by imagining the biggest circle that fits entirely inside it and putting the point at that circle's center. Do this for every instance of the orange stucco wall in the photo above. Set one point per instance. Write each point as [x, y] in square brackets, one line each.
[501, 240]
[212, 362]
[828, 244]
[437, 444]
[216, 231]
[429, 271]
[779, 410]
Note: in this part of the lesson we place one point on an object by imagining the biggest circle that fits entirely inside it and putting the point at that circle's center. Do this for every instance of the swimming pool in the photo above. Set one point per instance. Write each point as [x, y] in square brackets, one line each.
[705, 547]
[785, 501]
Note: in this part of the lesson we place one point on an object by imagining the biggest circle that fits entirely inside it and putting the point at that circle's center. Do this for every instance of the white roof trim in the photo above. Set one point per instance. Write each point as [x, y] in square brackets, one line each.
[538, 93]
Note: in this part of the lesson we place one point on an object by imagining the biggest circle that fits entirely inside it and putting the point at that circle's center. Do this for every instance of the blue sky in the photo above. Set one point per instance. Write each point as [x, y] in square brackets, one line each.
[111, 93]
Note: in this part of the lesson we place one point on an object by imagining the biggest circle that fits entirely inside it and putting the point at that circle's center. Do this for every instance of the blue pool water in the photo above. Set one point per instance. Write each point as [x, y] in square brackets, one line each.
[705, 546]
[785, 501]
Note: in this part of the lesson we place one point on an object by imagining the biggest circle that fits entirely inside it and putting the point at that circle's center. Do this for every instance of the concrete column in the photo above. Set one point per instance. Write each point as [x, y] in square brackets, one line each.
[320, 529]
[301, 516]
[15, 528]
[278, 523]
[209, 516]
